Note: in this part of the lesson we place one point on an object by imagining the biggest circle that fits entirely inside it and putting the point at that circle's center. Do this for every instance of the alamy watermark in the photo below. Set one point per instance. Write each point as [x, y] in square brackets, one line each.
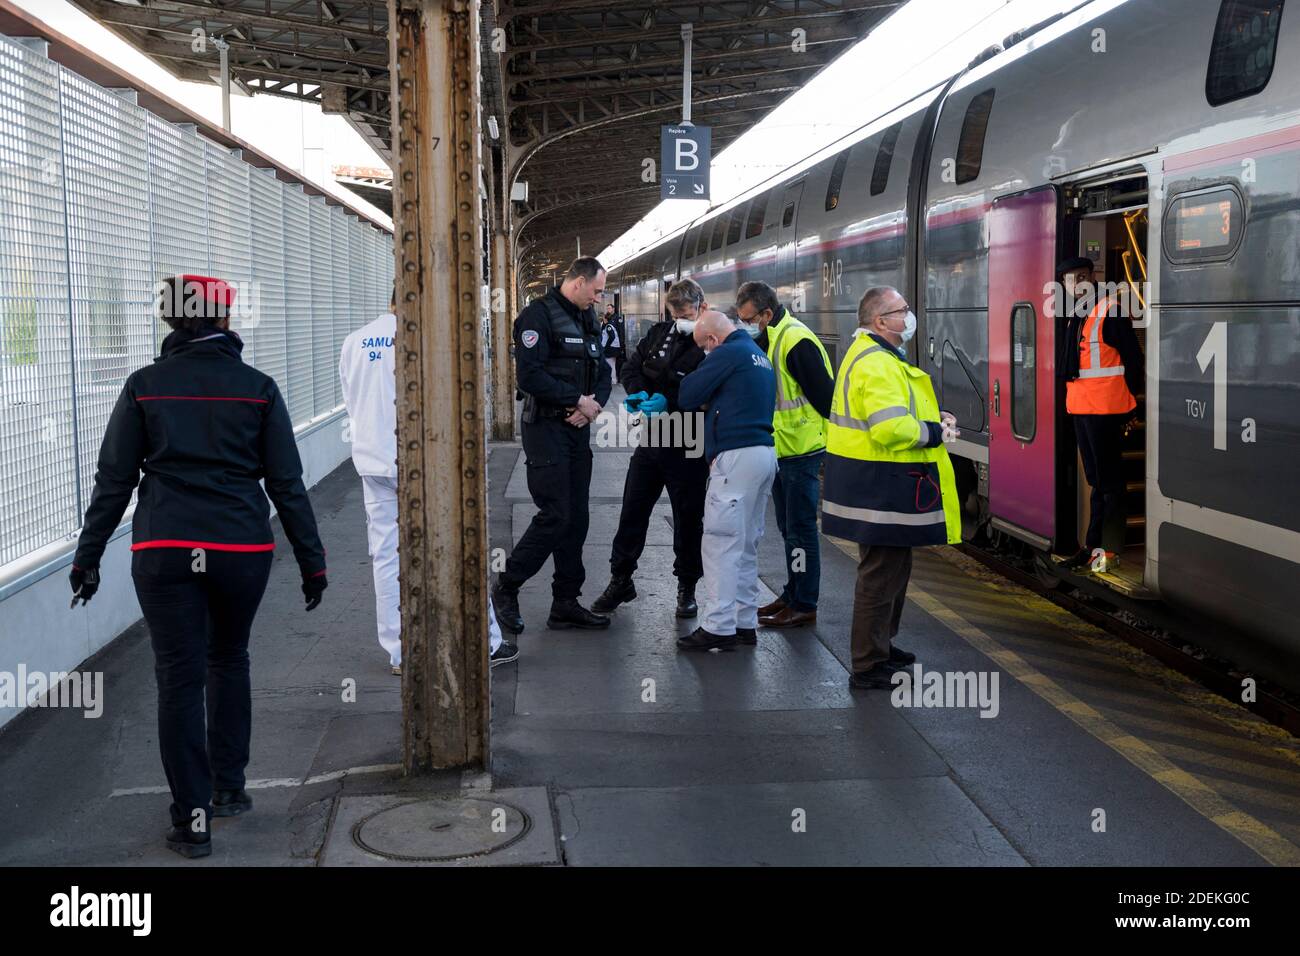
[619, 428]
[80, 690]
[915, 687]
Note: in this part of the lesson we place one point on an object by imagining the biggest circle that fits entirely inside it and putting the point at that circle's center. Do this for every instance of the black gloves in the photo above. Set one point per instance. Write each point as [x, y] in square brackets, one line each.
[85, 582]
[312, 587]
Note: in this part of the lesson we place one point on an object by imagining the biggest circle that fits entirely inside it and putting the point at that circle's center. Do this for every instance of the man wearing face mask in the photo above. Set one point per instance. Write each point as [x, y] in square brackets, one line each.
[736, 387]
[803, 401]
[564, 381]
[889, 483]
[663, 357]
[1101, 362]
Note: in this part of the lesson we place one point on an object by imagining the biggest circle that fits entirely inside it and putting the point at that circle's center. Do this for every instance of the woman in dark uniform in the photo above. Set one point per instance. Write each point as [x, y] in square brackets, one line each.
[204, 429]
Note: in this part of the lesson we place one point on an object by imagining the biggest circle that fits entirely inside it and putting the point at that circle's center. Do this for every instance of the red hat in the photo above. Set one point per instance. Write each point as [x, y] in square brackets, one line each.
[214, 290]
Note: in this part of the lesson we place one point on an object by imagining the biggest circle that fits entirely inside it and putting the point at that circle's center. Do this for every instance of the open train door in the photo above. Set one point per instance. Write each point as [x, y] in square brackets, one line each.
[1022, 373]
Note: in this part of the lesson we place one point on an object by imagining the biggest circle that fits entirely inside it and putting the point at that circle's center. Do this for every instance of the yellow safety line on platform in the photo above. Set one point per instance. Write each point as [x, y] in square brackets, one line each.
[1265, 841]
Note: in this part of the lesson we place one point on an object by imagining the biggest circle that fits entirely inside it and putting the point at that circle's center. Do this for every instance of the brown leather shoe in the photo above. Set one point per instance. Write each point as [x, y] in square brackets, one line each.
[768, 610]
[789, 617]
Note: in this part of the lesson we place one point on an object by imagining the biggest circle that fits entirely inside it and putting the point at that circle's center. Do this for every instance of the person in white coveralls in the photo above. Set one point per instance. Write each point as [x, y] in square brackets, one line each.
[369, 376]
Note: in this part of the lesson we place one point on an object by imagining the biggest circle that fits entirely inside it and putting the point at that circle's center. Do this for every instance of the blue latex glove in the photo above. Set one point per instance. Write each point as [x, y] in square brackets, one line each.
[632, 402]
[655, 404]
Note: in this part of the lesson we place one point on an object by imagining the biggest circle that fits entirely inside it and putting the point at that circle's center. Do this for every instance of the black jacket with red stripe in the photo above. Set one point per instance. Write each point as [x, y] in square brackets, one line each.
[204, 429]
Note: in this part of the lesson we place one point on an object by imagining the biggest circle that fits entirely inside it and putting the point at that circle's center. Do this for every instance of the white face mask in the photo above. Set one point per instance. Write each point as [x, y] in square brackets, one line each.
[685, 326]
[909, 326]
[753, 331]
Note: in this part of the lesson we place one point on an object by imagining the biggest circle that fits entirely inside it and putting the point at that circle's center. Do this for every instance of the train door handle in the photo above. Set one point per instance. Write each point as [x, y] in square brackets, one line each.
[932, 349]
[997, 398]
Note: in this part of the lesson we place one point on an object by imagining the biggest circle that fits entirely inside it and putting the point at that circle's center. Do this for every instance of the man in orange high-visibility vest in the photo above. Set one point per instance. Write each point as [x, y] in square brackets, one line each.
[1102, 364]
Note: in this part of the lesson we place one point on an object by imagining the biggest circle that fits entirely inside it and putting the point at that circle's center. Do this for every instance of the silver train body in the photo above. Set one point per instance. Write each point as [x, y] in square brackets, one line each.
[1171, 127]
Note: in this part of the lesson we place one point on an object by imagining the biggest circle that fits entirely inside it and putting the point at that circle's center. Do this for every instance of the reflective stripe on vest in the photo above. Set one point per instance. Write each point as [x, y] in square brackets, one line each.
[1092, 336]
[798, 427]
[882, 415]
[883, 517]
[1100, 388]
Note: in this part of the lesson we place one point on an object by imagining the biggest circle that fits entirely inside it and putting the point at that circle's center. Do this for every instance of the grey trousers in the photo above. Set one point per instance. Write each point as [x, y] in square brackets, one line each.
[740, 481]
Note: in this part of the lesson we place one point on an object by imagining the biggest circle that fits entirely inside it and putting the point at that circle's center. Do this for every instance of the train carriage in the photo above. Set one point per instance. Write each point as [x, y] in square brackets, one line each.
[965, 199]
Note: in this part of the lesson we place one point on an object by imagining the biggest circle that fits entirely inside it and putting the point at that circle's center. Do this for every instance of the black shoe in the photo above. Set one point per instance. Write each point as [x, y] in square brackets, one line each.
[899, 656]
[506, 605]
[187, 843]
[566, 614]
[746, 635]
[231, 803]
[504, 654]
[686, 606]
[620, 590]
[879, 677]
[1080, 559]
[702, 640]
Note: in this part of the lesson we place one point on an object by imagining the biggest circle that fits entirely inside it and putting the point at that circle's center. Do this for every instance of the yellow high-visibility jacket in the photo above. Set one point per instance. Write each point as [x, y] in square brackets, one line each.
[888, 478]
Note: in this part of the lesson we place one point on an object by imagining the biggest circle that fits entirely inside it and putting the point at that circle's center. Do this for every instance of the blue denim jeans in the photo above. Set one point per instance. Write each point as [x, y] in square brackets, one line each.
[795, 493]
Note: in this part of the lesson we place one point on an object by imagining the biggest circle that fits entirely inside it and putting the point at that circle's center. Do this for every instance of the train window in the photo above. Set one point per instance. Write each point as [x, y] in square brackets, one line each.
[837, 179]
[1024, 400]
[702, 241]
[1203, 225]
[787, 215]
[719, 230]
[970, 147]
[755, 225]
[884, 157]
[1241, 57]
[737, 220]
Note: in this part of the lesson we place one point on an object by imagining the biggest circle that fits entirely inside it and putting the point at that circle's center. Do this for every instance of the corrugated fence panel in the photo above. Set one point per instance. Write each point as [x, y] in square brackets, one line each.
[38, 492]
[107, 174]
[99, 201]
[230, 239]
[324, 371]
[298, 303]
[341, 278]
[178, 205]
[268, 321]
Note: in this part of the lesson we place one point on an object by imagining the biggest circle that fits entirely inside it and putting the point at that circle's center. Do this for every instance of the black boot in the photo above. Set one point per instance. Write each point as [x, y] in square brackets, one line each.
[231, 803]
[506, 605]
[702, 640]
[620, 590]
[569, 613]
[686, 606]
[187, 843]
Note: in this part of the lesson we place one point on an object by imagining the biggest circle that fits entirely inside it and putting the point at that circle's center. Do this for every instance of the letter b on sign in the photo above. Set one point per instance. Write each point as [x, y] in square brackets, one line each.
[688, 155]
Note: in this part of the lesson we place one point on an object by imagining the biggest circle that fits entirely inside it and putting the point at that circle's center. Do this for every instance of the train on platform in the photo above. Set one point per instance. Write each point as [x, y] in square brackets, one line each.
[1159, 139]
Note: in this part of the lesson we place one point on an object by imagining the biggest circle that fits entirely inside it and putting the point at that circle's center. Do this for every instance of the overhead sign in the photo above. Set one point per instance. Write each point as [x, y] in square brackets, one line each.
[684, 162]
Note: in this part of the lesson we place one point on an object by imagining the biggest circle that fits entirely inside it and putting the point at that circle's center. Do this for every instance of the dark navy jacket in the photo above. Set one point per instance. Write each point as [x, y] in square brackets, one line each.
[738, 385]
[204, 429]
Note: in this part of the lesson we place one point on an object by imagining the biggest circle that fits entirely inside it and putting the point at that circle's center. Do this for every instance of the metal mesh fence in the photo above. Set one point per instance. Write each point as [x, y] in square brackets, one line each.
[99, 200]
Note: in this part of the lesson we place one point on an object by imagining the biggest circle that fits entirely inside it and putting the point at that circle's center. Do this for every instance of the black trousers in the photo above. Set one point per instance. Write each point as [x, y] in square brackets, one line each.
[558, 459]
[687, 479]
[200, 612]
[1101, 444]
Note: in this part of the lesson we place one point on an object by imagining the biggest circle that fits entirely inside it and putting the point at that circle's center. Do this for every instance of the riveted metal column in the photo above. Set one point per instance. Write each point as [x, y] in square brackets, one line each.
[441, 484]
[503, 366]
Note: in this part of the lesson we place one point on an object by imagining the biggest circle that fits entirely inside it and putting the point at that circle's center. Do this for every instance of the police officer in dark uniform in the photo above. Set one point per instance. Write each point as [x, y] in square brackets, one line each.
[665, 356]
[563, 380]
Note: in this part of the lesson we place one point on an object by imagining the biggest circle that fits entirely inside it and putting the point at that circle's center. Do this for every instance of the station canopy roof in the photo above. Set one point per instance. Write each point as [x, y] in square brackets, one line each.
[577, 89]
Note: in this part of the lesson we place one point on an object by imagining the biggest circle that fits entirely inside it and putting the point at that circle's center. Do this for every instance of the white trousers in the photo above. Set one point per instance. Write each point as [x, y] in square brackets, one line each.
[613, 369]
[740, 481]
[380, 495]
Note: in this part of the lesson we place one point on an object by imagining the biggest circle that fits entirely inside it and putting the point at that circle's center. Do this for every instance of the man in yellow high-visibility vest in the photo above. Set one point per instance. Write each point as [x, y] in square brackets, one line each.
[803, 400]
[889, 484]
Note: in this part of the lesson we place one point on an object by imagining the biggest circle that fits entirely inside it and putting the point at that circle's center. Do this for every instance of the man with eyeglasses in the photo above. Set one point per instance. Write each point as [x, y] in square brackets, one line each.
[889, 483]
[803, 400]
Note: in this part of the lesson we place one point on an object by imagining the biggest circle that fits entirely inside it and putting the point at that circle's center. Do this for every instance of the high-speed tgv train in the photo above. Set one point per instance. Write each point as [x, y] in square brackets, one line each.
[1160, 138]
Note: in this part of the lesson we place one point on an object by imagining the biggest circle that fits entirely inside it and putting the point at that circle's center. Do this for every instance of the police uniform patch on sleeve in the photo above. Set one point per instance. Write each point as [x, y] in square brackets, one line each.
[528, 337]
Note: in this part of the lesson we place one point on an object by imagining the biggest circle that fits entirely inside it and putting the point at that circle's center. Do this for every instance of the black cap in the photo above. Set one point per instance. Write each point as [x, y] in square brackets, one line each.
[1074, 264]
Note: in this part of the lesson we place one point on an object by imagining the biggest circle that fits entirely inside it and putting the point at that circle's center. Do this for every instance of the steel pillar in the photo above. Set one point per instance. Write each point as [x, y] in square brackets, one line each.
[442, 486]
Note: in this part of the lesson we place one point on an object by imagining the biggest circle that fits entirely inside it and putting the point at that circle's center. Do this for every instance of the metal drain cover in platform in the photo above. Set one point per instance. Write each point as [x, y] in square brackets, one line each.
[488, 828]
[441, 830]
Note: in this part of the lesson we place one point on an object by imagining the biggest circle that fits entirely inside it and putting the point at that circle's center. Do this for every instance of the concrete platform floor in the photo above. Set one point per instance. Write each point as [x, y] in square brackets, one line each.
[757, 756]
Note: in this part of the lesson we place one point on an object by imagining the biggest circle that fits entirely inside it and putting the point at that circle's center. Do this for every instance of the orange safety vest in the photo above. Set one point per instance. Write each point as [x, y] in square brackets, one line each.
[1100, 388]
